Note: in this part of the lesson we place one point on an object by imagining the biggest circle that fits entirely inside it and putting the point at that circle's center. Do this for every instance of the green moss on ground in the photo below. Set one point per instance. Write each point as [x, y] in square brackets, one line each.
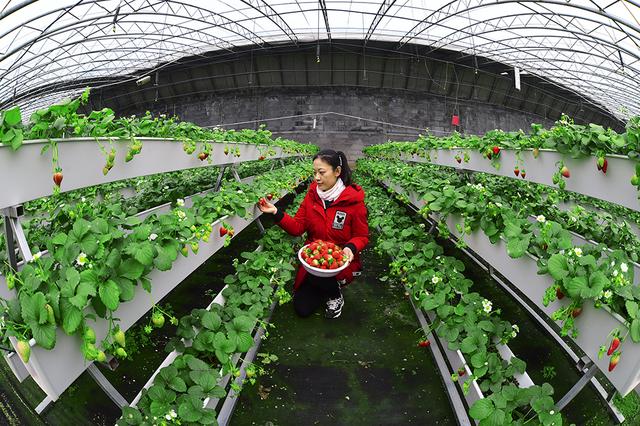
[362, 368]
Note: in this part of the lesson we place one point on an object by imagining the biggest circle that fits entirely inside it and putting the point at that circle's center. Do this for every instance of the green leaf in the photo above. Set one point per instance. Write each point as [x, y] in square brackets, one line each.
[558, 267]
[468, 345]
[481, 409]
[206, 379]
[588, 260]
[496, 418]
[197, 364]
[478, 359]
[519, 365]
[211, 321]
[576, 286]
[242, 323]
[33, 307]
[12, 117]
[110, 294]
[144, 253]
[177, 384]
[83, 291]
[408, 246]
[244, 342]
[635, 330]
[516, 247]
[71, 317]
[127, 289]
[632, 308]
[146, 284]
[45, 334]
[131, 269]
[189, 413]
[167, 254]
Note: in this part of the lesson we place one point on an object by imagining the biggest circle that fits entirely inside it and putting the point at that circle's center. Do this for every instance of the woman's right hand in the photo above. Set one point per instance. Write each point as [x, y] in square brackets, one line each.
[266, 207]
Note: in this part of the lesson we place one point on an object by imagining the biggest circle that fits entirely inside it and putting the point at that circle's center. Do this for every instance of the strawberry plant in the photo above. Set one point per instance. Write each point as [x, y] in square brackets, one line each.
[179, 390]
[99, 261]
[464, 319]
[581, 273]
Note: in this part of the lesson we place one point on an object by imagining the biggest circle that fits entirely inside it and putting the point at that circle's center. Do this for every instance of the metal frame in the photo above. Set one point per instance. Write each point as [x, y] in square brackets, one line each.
[76, 26]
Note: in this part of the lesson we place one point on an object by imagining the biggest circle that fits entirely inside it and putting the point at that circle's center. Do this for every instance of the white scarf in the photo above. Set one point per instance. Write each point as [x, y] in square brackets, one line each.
[333, 193]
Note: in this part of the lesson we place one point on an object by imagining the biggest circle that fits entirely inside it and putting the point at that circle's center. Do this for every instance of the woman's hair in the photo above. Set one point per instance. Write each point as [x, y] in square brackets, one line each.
[335, 159]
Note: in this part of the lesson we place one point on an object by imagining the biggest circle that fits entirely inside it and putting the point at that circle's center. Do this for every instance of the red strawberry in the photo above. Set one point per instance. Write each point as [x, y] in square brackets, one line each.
[614, 345]
[516, 171]
[269, 197]
[576, 312]
[564, 171]
[458, 159]
[461, 372]
[231, 231]
[223, 231]
[496, 150]
[605, 165]
[203, 156]
[424, 343]
[523, 174]
[57, 178]
[261, 157]
[559, 294]
[613, 362]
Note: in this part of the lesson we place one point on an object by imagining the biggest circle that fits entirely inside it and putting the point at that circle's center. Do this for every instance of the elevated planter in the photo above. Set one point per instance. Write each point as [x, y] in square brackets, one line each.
[585, 179]
[55, 370]
[594, 324]
[82, 161]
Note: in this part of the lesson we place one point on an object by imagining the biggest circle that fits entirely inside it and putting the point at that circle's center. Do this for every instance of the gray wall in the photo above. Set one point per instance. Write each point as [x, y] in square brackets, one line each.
[344, 133]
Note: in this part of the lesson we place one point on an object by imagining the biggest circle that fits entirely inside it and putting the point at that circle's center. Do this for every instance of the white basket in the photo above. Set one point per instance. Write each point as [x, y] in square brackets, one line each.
[325, 273]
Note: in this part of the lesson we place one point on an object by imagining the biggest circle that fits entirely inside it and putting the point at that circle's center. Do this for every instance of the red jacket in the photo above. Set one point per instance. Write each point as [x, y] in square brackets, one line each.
[343, 223]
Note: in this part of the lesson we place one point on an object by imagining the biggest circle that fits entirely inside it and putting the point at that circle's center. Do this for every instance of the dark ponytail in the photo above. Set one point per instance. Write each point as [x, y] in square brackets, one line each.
[336, 159]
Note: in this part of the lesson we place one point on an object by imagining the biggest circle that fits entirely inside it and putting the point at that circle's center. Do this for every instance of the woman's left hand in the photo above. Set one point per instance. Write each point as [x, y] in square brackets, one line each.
[349, 254]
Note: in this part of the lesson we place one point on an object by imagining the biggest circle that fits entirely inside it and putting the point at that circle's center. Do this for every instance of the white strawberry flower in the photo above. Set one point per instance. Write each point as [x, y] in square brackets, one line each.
[608, 294]
[552, 412]
[181, 215]
[615, 272]
[487, 305]
[541, 219]
[624, 267]
[168, 417]
[499, 205]
[37, 256]
[81, 259]
[152, 237]
[83, 199]
[577, 251]
[516, 328]
[173, 414]
[435, 279]
[613, 263]
[180, 202]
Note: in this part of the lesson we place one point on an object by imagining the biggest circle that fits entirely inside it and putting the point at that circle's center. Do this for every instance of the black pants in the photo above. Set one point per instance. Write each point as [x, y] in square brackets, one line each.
[313, 293]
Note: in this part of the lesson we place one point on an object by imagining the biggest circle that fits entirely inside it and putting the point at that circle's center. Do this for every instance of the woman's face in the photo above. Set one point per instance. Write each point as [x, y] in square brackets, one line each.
[325, 175]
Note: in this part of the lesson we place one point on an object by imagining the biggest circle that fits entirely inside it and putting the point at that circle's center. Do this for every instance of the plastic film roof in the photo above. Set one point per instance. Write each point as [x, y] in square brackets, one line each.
[49, 49]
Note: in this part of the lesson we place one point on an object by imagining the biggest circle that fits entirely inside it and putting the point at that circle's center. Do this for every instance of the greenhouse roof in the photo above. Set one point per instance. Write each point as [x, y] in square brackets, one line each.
[589, 46]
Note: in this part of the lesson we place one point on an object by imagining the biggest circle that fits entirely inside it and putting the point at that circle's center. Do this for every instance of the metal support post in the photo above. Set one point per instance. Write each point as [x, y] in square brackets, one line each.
[9, 241]
[575, 390]
[14, 234]
[106, 386]
[260, 226]
[235, 174]
[219, 180]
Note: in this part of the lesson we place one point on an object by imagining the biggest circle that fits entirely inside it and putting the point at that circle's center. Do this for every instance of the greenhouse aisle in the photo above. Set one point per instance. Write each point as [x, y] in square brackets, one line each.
[363, 368]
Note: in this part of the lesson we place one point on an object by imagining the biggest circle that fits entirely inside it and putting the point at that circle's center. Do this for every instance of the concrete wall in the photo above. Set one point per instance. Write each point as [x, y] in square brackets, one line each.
[337, 131]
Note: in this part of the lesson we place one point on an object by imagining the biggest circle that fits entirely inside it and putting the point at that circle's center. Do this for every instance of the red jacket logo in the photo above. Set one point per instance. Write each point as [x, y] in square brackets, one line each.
[338, 221]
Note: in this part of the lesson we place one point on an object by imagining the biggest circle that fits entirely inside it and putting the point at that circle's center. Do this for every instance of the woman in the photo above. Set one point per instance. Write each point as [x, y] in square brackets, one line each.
[333, 210]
